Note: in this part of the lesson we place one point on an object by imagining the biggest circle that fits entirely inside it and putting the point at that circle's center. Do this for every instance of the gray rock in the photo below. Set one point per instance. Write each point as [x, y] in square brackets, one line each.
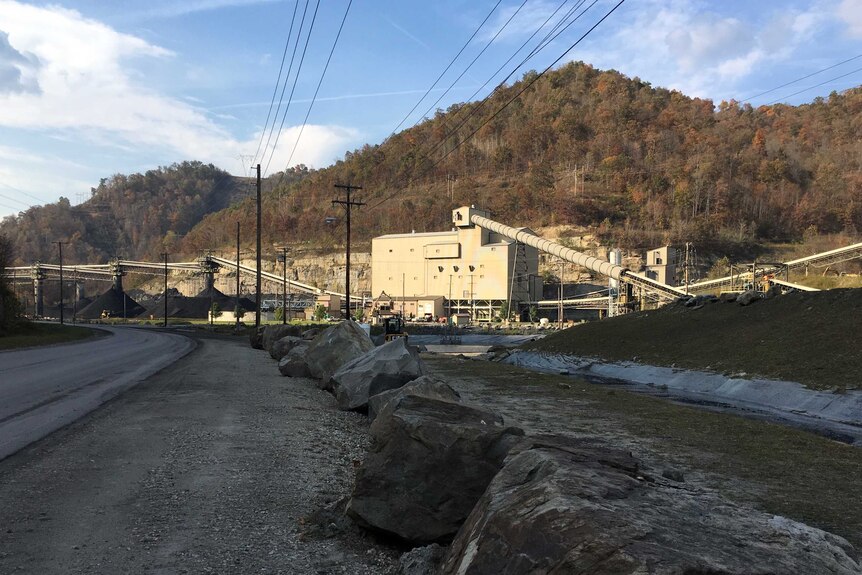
[383, 368]
[255, 337]
[425, 386]
[566, 507]
[748, 297]
[310, 333]
[429, 463]
[273, 333]
[334, 347]
[293, 364]
[280, 347]
[728, 297]
[421, 560]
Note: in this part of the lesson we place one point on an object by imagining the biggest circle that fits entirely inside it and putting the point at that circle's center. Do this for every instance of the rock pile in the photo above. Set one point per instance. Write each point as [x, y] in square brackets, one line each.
[564, 506]
[441, 471]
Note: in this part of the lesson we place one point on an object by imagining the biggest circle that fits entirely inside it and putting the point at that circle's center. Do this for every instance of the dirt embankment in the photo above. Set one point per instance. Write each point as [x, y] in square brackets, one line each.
[809, 337]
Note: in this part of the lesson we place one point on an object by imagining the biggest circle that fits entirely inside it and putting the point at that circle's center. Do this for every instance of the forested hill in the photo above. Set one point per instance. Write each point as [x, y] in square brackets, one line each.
[643, 165]
[135, 217]
[583, 146]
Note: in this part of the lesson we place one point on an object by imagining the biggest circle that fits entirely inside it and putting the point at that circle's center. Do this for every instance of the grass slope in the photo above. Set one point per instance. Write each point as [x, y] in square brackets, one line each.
[38, 334]
[809, 337]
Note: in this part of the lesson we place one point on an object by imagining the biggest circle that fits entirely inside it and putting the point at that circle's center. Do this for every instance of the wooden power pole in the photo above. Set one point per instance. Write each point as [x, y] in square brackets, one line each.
[347, 204]
[257, 277]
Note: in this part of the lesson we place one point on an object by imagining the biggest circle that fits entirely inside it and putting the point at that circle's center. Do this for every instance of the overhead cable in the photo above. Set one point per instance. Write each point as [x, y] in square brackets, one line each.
[470, 65]
[322, 76]
[517, 95]
[277, 82]
[802, 78]
[815, 86]
[295, 82]
[467, 43]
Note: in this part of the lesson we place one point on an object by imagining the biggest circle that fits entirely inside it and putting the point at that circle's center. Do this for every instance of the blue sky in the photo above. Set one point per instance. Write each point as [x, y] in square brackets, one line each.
[90, 88]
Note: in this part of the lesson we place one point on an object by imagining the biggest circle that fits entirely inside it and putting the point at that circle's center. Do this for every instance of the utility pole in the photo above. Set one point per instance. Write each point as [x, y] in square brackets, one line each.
[283, 285]
[562, 263]
[165, 256]
[257, 277]
[60, 248]
[236, 309]
[347, 204]
[687, 251]
[449, 302]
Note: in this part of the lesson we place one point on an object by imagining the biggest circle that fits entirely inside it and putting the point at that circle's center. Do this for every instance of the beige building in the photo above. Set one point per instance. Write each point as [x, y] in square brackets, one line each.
[661, 265]
[474, 269]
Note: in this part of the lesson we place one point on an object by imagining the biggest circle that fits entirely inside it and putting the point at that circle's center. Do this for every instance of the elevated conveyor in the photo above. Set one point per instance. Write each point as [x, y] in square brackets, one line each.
[821, 259]
[617, 272]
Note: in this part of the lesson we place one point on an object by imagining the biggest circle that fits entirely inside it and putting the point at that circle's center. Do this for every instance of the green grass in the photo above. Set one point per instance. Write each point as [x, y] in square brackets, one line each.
[38, 334]
[776, 468]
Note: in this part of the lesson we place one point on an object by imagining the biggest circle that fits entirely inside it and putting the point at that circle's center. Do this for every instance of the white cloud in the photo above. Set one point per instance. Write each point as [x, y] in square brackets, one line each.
[17, 70]
[528, 19]
[173, 8]
[709, 42]
[850, 11]
[682, 45]
[88, 101]
[318, 146]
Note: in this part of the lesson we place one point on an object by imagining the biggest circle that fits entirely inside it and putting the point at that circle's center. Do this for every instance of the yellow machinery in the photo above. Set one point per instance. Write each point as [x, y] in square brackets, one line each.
[393, 328]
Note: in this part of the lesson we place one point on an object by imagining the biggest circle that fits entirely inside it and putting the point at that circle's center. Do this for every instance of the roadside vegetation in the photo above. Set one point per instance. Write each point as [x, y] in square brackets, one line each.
[779, 469]
[31, 334]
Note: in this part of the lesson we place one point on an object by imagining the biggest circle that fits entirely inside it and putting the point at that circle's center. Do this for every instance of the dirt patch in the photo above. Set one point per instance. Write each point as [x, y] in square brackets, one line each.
[775, 468]
[809, 337]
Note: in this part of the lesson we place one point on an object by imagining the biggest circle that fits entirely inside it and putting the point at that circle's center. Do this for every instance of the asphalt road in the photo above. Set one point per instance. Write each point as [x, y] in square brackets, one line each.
[45, 388]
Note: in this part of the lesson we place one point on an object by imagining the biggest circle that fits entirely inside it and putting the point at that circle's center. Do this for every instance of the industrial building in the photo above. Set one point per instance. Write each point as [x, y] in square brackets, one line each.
[474, 269]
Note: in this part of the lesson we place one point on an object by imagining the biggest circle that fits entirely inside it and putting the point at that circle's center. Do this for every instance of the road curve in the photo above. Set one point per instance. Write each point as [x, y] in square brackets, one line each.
[43, 389]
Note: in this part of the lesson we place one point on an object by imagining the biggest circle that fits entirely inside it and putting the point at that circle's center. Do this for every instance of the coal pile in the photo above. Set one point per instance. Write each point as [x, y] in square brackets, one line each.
[112, 303]
[226, 302]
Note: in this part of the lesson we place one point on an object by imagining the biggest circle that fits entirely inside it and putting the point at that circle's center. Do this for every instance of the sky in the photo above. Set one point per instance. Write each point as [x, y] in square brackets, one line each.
[93, 88]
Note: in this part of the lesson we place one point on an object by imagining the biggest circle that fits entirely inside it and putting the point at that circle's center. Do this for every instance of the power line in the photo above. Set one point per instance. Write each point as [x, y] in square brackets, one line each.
[815, 86]
[529, 84]
[295, 82]
[467, 43]
[470, 65]
[322, 75]
[20, 191]
[277, 82]
[516, 96]
[549, 37]
[15, 200]
[802, 78]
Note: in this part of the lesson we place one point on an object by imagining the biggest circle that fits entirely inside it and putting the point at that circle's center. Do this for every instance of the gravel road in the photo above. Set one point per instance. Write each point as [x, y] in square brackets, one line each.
[215, 465]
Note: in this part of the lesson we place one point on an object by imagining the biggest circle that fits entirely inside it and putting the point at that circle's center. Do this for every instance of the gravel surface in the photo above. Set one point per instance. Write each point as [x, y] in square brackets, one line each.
[216, 465]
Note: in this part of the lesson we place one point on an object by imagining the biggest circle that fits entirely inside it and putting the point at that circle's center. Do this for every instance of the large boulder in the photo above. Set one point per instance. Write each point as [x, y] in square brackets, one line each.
[255, 337]
[280, 347]
[310, 333]
[273, 333]
[334, 347]
[383, 368]
[293, 364]
[429, 463]
[425, 386]
[561, 506]
[748, 297]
